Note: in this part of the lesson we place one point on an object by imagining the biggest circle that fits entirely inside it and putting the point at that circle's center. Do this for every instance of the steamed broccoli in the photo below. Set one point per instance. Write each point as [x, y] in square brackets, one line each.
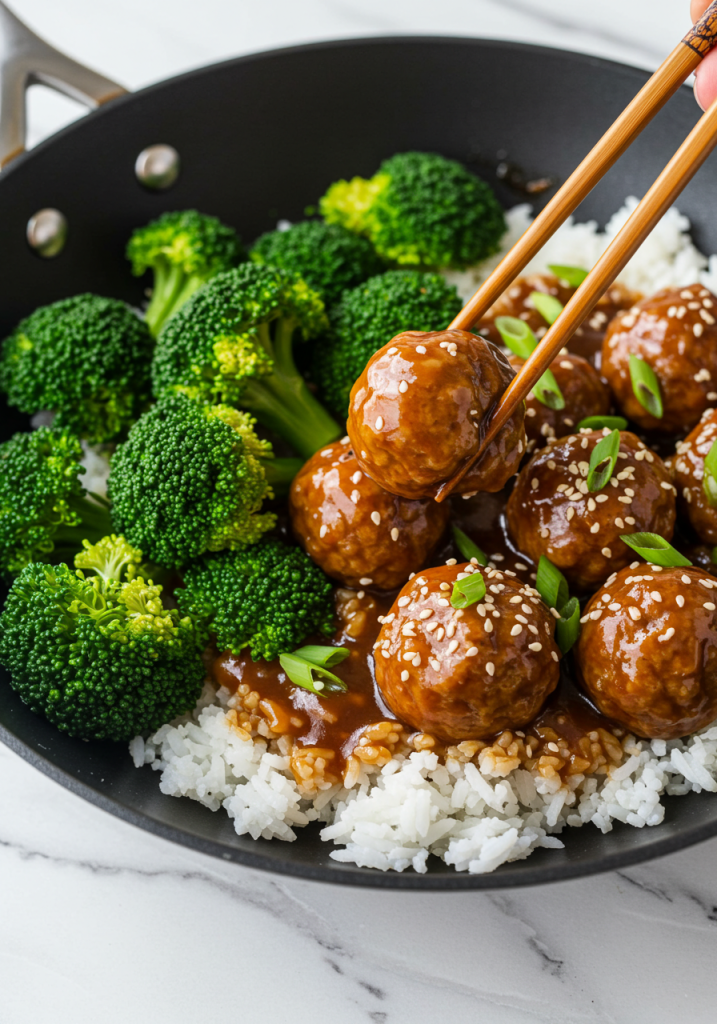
[268, 597]
[232, 342]
[191, 478]
[44, 514]
[327, 256]
[183, 250]
[95, 651]
[420, 209]
[86, 358]
[368, 317]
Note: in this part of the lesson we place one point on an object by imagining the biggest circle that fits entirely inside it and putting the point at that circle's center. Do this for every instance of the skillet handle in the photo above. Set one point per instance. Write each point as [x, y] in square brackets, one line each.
[26, 59]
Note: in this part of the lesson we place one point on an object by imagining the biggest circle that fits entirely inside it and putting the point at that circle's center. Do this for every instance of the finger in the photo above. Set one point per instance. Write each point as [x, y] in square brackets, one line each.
[698, 8]
[706, 81]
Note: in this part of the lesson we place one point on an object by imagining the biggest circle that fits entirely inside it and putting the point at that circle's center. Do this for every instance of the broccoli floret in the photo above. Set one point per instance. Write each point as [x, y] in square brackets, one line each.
[44, 514]
[420, 210]
[191, 478]
[232, 343]
[268, 597]
[95, 651]
[368, 317]
[87, 359]
[183, 250]
[328, 257]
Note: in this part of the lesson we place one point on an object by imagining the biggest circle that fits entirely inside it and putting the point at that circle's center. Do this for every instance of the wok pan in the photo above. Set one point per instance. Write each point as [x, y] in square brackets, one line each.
[260, 138]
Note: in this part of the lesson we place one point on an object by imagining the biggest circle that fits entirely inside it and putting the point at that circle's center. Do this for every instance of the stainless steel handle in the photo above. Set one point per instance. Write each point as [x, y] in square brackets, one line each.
[26, 59]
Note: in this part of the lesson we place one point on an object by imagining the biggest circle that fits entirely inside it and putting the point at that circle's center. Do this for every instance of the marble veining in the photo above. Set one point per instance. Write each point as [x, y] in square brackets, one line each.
[100, 921]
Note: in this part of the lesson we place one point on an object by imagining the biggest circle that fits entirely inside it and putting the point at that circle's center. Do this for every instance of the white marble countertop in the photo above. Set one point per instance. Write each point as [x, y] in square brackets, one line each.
[101, 923]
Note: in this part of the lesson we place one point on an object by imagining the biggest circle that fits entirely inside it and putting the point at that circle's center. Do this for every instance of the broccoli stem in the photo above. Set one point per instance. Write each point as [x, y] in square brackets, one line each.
[172, 288]
[96, 524]
[280, 473]
[283, 402]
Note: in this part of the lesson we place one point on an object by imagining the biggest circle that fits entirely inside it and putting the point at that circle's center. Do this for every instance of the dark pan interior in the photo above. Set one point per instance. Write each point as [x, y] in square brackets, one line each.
[260, 138]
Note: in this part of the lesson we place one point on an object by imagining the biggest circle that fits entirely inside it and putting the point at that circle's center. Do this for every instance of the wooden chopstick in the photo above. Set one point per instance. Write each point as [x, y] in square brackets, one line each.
[679, 171]
[637, 115]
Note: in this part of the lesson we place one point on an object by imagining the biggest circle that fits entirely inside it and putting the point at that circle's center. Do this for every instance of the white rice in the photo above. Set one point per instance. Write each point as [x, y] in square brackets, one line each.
[471, 818]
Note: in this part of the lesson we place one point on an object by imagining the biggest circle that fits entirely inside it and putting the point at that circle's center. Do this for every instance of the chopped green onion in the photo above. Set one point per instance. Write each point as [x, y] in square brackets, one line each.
[548, 306]
[574, 276]
[567, 628]
[301, 673]
[709, 480]
[519, 338]
[646, 386]
[468, 591]
[603, 460]
[551, 584]
[655, 549]
[325, 657]
[600, 422]
[468, 548]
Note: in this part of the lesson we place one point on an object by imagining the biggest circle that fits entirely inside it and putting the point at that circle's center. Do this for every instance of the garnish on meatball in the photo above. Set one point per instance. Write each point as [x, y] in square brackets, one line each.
[688, 471]
[466, 673]
[416, 412]
[357, 532]
[647, 654]
[675, 333]
[552, 512]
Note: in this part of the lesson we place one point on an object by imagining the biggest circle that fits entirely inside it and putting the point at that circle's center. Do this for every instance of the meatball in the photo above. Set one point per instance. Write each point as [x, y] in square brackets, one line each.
[462, 674]
[675, 332]
[586, 341]
[647, 655]
[357, 532]
[551, 512]
[416, 410]
[688, 468]
[584, 392]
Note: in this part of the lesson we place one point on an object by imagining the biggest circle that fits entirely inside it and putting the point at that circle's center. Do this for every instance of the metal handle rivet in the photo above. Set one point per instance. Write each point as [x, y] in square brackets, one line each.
[47, 232]
[157, 167]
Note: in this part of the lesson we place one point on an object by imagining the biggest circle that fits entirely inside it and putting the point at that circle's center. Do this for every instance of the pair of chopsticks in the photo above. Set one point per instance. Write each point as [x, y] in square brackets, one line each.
[679, 171]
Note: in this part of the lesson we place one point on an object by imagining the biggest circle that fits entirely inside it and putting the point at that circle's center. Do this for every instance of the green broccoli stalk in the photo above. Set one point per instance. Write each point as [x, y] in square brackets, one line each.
[192, 478]
[44, 513]
[420, 210]
[268, 597]
[233, 343]
[183, 250]
[87, 359]
[368, 317]
[95, 651]
[328, 257]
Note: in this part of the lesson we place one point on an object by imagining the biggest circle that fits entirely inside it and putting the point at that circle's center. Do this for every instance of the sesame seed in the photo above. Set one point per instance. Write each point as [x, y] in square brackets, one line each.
[326, 452]
[595, 528]
[453, 645]
[408, 655]
[534, 483]
[709, 605]
[445, 586]
[452, 627]
[490, 667]
[665, 486]
[403, 601]
[443, 602]
[355, 495]
[520, 566]
[680, 601]
[451, 561]
[376, 518]
[416, 661]
[392, 352]
[426, 613]
[365, 581]
[566, 364]
[435, 665]
[554, 656]
[606, 552]
[535, 647]
[403, 387]
[488, 626]
[619, 523]
[634, 613]
[379, 423]
[516, 600]
[630, 520]
[522, 618]
[404, 676]
[666, 635]
[595, 615]
[697, 330]
[624, 500]
[516, 630]
[615, 606]
[552, 464]
[601, 498]
[394, 533]
[386, 654]
[421, 349]
[533, 629]
[656, 595]
[544, 532]
[356, 478]
[685, 578]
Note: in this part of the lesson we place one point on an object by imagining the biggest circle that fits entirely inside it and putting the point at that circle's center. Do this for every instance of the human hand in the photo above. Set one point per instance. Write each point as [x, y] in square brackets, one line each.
[706, 74]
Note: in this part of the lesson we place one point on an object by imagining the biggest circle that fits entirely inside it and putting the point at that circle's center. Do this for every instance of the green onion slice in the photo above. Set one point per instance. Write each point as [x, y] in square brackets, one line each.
[468, 548]
[654, 548]
[325, 657]
[519, 338]
[600, 422]
[468, 591]
[603, 460]
[548, 306]
[574, 276]
[551, 584]
[567, 627]
[301, 672]
[709, 480]
[646, 386]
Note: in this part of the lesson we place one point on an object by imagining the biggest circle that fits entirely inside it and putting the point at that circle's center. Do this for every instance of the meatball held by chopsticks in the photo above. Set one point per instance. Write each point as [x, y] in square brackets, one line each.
[357, 532]
[675, 334]
[552, 511]
[647, 654]
[688, 472]
[416, 412]
[466, 673]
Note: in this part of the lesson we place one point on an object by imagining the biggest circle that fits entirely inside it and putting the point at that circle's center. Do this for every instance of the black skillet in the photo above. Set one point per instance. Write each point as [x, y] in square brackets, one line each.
[260, 138]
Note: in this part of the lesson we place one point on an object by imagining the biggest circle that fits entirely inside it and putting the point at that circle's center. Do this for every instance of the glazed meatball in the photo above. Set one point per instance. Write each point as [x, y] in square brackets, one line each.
[357, 532]
[551, 512]
[688, 469]
[584, 392]
[647, 655]
[468, 673]
[676, 334]
[415, 414]
[587, 340]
